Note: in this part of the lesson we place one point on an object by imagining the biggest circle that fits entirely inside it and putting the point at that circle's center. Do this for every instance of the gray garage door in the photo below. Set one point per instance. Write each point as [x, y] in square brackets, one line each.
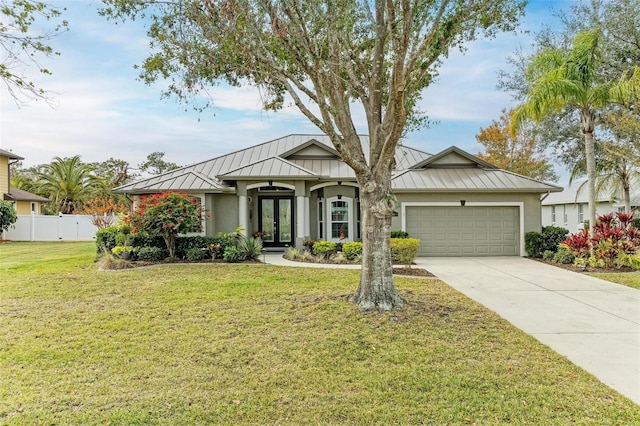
[465, 231]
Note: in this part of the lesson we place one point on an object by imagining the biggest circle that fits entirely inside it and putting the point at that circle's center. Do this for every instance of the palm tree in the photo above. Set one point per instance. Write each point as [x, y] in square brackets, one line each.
[617, 168]
[569, 80]
[68, 181]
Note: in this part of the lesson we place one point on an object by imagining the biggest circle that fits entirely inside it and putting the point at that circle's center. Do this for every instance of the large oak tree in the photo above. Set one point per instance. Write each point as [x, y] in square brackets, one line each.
[327, 57]
[23, 45]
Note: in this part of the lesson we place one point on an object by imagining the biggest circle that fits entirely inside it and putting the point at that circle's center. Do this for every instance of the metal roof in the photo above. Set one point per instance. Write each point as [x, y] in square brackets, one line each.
[274, 167]
[577, 192]
[450, 170]
[467, 179]
[178, 180]
[328, 169]
[215, 169]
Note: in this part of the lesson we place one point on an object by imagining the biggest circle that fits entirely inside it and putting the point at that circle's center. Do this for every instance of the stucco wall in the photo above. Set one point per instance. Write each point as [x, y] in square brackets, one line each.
[225, 214]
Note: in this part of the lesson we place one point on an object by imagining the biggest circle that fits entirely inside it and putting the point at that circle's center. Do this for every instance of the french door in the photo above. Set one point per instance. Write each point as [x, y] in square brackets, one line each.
[275, 216]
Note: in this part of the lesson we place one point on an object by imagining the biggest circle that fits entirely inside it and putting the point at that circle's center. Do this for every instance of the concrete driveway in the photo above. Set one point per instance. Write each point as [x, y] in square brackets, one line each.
[594, 323]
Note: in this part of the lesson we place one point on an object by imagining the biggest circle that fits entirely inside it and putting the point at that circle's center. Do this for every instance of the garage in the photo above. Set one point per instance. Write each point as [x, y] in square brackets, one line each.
[465, 230]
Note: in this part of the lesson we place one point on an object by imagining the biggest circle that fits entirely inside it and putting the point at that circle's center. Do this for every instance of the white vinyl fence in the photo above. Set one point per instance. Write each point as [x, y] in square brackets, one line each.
[63, 227]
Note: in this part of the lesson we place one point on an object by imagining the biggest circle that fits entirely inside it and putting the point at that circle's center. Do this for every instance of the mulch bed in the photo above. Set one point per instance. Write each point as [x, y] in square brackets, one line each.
[412, 272]
[397, 270]
[589, 269]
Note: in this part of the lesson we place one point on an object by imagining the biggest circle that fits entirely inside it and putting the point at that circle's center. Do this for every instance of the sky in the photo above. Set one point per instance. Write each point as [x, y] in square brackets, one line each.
[103, 111]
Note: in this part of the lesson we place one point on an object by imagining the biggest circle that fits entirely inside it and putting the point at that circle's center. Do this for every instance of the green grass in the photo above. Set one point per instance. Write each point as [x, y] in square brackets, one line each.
[257, 344]
[630, 279]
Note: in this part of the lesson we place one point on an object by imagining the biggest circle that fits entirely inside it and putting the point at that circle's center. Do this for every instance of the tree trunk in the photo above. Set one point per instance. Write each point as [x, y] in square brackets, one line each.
[589, 148]
[377, 291]
[170, 241]
[627, 198]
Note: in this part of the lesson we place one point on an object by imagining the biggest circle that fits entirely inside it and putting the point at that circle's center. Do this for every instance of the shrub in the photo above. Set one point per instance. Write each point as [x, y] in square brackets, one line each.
[291, 253]
[406, 250]
[636, 223]
[533, 244]
[305, 255]
[194, 254]
[613, 236]
[122, 251]
[109, 261]
[232, 254]
[553, 236]
[536, 243]
[106, 239]
[308, 244]
[8, 215]
[399, 234]
[185, 244]
[167, 215]
[578, 243]
[564, 256]
[232, 237]
[351, 250]
[143, 240]
[548, 255]
[324, 248]
[340, 258]
[250, 248]
[630, 260]
[151, 254]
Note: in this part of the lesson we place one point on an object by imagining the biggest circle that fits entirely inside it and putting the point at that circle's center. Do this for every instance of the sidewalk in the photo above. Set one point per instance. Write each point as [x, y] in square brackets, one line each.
[594, 323]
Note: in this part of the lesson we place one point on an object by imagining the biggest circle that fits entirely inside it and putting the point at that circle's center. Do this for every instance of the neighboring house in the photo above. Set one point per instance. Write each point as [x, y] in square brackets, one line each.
[570, 208]
[24, 202]
[297, 187]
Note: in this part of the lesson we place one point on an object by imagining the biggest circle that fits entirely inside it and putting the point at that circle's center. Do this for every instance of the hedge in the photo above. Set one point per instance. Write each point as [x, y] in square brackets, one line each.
[404, 250]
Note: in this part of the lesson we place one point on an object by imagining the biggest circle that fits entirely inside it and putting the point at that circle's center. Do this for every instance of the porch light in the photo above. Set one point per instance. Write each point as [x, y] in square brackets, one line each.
[270, 183]
[339, 196]
[463, 202]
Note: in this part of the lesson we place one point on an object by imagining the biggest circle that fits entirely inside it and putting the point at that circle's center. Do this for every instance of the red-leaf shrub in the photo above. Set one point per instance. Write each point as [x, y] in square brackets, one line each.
[613, 236]
[167, 214]
[578, 243]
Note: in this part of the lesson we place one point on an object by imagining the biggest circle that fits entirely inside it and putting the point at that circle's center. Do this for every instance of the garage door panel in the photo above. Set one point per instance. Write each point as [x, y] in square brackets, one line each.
[465, 231]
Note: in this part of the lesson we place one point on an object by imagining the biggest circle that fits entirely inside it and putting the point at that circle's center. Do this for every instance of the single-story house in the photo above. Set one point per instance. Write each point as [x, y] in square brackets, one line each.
[24, 202]
[570, 208]
[297, 187]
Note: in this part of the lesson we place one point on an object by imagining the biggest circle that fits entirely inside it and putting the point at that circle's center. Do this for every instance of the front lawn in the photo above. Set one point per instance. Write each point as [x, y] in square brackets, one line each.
[630, 279]
[258, 344]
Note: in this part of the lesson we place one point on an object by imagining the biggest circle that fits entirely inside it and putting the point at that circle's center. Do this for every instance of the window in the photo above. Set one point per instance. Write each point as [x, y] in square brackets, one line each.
[358, 228]
[320, 219]
[580, 213]
[564, 214]
[553, 214]
[340, 219]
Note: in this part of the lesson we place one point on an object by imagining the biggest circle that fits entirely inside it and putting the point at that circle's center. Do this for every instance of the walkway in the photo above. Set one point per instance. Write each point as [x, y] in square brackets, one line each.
[594, 323]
